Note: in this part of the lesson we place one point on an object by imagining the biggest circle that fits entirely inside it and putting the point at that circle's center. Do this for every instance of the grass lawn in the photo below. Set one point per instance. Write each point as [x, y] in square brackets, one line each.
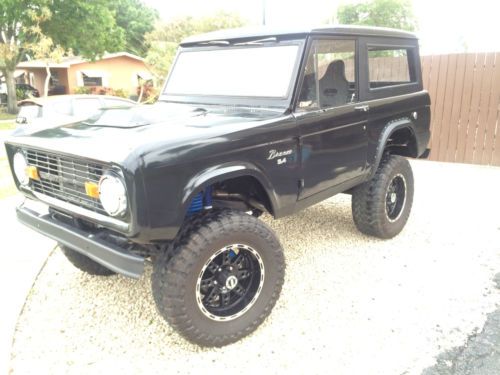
[7, 125]
[6, 116]
[7, 187]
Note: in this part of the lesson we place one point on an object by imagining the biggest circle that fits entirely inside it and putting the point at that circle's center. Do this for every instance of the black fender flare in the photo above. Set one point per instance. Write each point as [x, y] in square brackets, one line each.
[219, 173]
[386, 132]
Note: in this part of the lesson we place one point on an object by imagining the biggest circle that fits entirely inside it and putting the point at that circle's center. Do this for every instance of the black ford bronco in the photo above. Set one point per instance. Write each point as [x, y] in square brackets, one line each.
[248, 122]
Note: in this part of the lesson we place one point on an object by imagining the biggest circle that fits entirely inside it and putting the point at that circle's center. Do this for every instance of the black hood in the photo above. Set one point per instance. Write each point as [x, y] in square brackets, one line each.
[115, 133]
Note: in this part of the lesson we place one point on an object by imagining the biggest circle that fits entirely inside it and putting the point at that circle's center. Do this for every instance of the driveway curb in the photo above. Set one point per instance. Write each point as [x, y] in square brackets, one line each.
[19, 270]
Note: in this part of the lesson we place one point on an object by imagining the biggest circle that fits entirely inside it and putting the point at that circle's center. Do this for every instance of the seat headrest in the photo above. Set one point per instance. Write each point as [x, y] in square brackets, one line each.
[336, 69]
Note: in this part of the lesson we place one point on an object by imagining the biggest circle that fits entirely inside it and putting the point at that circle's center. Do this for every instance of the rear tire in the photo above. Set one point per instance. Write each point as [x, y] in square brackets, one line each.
[220, 279]
[84, 263]
[381, 206]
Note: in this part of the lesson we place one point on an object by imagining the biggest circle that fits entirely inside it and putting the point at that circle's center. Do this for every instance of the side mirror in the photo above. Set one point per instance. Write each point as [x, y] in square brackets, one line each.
[21, 120]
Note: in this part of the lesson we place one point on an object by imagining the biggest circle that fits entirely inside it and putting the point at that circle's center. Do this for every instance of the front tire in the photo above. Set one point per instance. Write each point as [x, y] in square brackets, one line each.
[221, 278]
[381, 206]
[84, 263]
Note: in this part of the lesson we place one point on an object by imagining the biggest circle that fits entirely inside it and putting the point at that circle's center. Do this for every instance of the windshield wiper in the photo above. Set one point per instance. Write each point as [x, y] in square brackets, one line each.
[258, 41]
[216, 43]
[248, 43]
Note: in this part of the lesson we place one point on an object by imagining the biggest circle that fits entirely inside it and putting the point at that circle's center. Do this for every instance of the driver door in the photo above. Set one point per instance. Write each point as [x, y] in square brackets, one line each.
[331, 120]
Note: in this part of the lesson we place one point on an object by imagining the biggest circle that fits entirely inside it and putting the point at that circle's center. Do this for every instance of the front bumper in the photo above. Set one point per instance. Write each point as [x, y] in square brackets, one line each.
[103, 252]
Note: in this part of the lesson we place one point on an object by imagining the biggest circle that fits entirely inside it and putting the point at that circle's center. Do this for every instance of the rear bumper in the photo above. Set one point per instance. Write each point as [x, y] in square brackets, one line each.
[109, 255]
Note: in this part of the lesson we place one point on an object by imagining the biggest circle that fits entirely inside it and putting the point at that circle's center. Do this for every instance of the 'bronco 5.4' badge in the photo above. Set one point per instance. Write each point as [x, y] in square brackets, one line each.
[274, 154]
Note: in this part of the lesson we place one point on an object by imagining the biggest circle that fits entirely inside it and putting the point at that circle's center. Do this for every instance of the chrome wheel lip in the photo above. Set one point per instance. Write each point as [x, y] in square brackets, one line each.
[404, 198]
[199, 297]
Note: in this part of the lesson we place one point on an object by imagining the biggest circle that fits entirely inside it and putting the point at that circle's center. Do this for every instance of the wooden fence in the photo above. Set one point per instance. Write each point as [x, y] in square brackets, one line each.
[465, 94]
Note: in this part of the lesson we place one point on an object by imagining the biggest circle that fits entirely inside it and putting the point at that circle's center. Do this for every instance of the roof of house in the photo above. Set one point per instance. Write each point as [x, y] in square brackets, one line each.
[66, 62]
[249, 33]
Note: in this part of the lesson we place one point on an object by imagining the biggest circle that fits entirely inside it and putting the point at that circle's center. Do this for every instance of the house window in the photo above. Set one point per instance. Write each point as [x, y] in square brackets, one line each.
[91, 81]
[54, 79]
[389, 66]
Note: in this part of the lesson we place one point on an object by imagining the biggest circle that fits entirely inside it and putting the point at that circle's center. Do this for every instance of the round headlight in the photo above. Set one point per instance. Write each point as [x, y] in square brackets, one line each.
[113, 195]
[20, 165]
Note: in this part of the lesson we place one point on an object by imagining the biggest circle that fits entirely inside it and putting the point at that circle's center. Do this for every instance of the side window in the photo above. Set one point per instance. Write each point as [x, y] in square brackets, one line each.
[329, 76]
[389, 66]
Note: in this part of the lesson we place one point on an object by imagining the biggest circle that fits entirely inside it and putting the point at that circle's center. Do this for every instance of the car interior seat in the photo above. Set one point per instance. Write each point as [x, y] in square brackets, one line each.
[333, 86]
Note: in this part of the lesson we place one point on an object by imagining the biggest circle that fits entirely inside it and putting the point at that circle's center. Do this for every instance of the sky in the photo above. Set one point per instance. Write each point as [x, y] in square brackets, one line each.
[444, 25]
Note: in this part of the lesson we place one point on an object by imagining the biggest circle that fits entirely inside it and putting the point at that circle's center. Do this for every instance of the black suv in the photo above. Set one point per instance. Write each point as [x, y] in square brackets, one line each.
[248, 122]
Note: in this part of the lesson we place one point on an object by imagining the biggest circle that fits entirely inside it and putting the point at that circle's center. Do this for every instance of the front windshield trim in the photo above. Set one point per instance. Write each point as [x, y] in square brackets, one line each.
[265, 101]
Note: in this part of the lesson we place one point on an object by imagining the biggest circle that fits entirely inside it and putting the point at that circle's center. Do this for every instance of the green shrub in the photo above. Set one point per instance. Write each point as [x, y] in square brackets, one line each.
[83, 90]
[21, 94]
[121, 93]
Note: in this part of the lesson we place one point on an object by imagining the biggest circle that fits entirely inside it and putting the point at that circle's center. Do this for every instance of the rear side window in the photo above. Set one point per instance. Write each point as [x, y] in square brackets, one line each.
[390, 66]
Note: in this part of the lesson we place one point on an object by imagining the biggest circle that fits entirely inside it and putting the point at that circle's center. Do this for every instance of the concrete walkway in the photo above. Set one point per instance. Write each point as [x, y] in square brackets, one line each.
[23, 254]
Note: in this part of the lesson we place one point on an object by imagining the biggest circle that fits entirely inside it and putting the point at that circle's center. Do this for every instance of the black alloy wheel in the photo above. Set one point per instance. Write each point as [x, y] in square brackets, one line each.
[395, 198]
[230, 282]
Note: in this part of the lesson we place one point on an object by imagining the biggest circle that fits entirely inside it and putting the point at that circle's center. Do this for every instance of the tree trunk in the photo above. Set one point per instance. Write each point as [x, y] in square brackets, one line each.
[47, 80]
[140, 92]
[11, 91]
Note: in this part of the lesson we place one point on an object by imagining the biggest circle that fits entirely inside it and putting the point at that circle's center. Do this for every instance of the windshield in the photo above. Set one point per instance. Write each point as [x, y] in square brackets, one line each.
[245, 71]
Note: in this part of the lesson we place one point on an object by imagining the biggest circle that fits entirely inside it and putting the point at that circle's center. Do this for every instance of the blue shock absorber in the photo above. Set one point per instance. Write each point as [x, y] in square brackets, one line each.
[196, 204]
[200, 201]
[208, 198]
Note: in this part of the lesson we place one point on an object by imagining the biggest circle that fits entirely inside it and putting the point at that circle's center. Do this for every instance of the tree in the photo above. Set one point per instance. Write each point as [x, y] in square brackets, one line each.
[136, 19]
[16, 18]
[397, 14]
[46, 51]
[164, 40]
[88, 27]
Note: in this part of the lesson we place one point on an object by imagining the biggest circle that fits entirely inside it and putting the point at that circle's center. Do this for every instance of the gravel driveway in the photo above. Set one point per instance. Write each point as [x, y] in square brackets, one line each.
[351, 304]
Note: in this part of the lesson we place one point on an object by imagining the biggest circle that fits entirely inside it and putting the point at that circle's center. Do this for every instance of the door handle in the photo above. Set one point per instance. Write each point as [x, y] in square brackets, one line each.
[362, 108]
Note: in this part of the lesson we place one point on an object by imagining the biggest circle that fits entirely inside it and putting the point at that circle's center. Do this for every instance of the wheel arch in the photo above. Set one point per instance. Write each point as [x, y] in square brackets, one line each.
[396, 131]
[220, 173]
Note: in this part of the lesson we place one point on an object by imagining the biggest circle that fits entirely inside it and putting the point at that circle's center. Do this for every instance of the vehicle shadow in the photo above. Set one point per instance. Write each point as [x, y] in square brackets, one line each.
[331, 218]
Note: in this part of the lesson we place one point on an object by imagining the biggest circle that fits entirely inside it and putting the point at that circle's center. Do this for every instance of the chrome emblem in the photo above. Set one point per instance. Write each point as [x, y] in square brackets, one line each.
[231, 282]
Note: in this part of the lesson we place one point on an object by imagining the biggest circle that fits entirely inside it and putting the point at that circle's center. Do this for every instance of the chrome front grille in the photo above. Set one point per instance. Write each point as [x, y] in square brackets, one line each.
[64, 177]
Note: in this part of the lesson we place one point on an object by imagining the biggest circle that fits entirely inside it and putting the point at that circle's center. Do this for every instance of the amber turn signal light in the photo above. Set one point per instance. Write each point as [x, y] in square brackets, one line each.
[92, 189]
[32, 172]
